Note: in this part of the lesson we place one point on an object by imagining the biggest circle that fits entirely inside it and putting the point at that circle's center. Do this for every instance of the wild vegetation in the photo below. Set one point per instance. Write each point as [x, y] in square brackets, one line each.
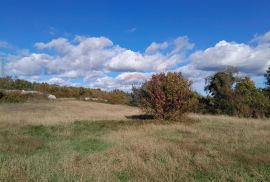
[12, 97]
[167, 96]
[200, 148]
[62, 111]
[7, 83]
[234, 95]
[72, 140]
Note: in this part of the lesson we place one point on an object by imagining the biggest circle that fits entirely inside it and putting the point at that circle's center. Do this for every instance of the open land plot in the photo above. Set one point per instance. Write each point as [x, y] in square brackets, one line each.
[62, 111]
[113, 148]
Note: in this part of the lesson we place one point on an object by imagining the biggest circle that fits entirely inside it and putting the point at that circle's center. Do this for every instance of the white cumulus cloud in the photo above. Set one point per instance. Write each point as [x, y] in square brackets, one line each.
[32, 64]
[123, 81]
[246, 58]
[98, 62]
[156, 46]
[262, 38]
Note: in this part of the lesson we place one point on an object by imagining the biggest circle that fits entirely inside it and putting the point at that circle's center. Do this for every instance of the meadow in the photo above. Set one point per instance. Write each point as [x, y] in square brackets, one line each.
[70, 140]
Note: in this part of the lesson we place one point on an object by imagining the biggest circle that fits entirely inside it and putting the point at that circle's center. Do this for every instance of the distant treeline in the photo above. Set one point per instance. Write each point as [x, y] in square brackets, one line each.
[167, 96]
[7, 83]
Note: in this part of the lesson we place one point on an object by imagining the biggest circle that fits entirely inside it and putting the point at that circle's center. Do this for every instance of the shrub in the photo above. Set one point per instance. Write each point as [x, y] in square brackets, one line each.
[12, 97]
[117, 97]
[135, 96]
[205, 105]
[166, 96]
[1, 95]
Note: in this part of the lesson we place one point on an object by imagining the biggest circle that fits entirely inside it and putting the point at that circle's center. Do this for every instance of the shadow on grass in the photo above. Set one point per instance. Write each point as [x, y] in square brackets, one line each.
[140, 117]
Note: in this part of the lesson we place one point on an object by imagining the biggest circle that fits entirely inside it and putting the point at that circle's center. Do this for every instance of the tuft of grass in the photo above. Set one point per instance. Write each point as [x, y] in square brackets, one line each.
[89, 145]
[123, 176]
[39, 131]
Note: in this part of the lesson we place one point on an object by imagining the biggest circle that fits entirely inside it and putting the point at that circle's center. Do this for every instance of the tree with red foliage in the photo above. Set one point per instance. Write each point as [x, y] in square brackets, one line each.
[167, 96]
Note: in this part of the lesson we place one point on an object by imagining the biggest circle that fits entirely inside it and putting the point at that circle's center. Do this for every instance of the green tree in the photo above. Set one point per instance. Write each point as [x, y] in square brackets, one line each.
[220, 87]
[267, 77]
[135, 96]
[22, 85]
[250, 101]
[6, 83]
[267, 89]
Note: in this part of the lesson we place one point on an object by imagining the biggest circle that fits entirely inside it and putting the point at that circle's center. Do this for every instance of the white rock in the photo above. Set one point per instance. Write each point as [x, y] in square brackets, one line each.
[51, 97]
[87, 98]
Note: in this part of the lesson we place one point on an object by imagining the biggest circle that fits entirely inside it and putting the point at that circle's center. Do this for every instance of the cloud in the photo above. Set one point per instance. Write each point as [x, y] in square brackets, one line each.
[71, 74]
[98, 62]
[131, 30]
[4, 44]
[192, 73]
[153, 59]
[133, 77]
[197, 76]
[31, 65]
[52, 31]
[60, 81]
[61, 45]
[81, 54]
[93, 75]
[182, 44]
[265, 38]
[123, 81]
[134, 61]
[100, 54]
[156, 46]
[248, 59]
[92, 59]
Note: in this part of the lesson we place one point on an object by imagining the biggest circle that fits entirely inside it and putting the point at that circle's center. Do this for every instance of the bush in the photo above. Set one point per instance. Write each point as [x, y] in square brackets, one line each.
[135, 96]
[166, 96]
[117, 97]
[12, 97]
[1, 95]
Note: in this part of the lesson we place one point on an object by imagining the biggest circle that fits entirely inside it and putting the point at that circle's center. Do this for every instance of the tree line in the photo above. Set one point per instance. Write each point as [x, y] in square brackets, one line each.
[168, 95]
[8, 83]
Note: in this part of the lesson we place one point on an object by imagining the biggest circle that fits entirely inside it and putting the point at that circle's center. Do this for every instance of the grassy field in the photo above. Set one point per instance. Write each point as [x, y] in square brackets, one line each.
[81, 141]
[62, 111]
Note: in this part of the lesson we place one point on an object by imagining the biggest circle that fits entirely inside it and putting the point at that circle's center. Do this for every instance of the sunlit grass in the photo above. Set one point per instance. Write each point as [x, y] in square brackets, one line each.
[213, 148]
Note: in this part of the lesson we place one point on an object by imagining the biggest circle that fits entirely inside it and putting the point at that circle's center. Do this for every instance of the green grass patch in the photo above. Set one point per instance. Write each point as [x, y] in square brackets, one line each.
[123, 176]
[89, 145]
[39, 131]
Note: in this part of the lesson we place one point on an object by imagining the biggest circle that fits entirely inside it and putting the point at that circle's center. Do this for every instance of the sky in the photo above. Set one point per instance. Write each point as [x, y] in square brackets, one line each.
[114, 44]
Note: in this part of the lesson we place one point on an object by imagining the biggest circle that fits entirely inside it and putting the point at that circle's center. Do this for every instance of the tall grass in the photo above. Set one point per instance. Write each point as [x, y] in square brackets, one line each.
[211, 148]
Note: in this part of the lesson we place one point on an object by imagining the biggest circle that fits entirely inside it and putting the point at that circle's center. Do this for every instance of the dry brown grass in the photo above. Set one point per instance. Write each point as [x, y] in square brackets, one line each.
[211, 148]
[62, 111]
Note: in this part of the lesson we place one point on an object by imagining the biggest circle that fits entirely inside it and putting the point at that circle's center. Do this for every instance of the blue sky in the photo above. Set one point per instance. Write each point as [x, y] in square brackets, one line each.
[114, 44]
